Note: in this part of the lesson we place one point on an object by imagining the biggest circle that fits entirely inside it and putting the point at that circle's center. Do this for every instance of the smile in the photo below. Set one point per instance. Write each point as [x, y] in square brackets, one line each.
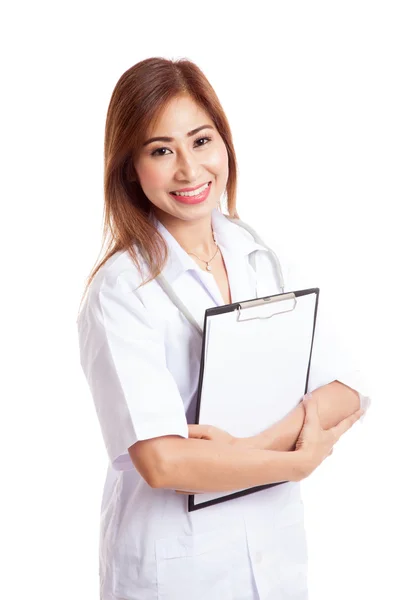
[194, 197]
[193, 192]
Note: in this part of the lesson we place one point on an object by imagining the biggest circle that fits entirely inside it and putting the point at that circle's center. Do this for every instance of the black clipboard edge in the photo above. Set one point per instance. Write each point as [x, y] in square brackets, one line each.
[215, 310]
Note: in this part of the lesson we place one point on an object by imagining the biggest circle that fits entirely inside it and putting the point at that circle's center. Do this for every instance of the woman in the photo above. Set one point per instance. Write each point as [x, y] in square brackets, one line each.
[169, 158]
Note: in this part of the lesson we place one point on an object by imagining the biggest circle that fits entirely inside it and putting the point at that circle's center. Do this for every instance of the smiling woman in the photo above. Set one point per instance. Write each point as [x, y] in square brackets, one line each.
[169, 160]
[166, 131]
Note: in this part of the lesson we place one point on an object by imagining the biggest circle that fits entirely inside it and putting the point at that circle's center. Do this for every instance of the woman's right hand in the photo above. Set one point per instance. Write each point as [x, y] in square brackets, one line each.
[316, 443]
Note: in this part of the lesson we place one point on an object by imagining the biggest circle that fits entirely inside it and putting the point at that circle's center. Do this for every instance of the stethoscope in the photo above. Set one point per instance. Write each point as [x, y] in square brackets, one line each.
[166, 286]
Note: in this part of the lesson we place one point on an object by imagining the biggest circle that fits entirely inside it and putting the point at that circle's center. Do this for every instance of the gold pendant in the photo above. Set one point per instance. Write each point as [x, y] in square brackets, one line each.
[208, 268]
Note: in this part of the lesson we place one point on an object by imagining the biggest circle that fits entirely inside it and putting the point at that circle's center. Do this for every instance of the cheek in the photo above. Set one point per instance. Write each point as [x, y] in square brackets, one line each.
[152, 177]
[217, 160]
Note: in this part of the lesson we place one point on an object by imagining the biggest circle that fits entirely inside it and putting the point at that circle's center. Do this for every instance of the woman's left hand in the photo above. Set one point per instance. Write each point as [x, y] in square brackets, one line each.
[214, 434]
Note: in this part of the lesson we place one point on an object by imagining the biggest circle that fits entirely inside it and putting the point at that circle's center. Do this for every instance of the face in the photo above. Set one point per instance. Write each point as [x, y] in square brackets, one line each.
[185, 161]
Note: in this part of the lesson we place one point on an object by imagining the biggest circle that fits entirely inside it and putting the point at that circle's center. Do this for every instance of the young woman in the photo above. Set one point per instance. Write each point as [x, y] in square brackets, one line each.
[169, 159]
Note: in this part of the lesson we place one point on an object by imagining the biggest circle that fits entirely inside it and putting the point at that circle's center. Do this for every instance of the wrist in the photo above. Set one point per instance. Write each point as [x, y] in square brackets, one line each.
[265, 440]
[298, 461]
[270, 439]
[260, 441]
[282, 435]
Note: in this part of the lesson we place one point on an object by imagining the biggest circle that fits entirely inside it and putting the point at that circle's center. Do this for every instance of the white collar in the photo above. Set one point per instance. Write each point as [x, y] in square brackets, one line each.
[230, 236]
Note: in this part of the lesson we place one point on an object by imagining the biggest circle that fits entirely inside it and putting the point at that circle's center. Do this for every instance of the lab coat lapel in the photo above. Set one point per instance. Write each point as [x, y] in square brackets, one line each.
[196, 288]
[236, 244]
[196, 292]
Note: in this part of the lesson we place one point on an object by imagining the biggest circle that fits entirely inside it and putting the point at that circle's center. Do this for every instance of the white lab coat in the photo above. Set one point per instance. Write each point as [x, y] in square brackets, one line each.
[141, 359]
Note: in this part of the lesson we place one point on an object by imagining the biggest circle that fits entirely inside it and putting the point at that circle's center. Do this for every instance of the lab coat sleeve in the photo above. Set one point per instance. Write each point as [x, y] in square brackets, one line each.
[332, 358]
[123, 358]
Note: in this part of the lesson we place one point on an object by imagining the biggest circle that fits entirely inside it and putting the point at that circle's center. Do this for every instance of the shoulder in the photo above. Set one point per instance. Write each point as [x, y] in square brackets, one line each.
[118, 278]
[120, 269]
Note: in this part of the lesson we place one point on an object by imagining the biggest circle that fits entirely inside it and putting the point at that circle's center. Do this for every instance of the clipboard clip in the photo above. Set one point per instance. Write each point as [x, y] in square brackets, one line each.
[266, 301]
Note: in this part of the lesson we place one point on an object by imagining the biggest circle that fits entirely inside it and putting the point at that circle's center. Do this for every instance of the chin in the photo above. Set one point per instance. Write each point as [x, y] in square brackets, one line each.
[184, 212]
[196, 211]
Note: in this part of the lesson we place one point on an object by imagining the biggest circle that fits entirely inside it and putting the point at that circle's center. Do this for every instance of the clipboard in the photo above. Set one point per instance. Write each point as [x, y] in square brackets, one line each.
[248, 349]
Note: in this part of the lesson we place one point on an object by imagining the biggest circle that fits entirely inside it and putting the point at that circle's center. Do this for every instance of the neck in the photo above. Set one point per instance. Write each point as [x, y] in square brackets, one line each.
[193, 236]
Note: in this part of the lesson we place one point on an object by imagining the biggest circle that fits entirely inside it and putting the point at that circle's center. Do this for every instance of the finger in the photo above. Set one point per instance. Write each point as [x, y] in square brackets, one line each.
[341, 428]
[199, 431]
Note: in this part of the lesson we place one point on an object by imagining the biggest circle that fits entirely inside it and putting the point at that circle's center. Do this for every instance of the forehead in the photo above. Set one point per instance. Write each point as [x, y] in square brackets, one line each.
[180, 115]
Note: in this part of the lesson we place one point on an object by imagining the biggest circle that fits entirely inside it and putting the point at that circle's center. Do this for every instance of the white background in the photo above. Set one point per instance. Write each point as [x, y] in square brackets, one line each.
[311, 90]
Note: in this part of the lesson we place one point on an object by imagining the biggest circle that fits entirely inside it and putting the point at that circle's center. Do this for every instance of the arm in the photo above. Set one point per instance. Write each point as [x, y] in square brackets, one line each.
[335, 402]
[201, 465]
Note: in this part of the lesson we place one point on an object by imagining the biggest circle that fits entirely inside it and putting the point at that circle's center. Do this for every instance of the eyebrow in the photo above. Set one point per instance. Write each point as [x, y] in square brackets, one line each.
[169, 139]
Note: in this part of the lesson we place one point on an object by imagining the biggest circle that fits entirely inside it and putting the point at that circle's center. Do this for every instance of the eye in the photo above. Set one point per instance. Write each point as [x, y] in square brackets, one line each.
[155, 152]
[203, 138]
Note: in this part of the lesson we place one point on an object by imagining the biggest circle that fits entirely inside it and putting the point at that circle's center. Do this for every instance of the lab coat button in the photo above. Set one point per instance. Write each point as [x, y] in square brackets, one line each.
[258, 558]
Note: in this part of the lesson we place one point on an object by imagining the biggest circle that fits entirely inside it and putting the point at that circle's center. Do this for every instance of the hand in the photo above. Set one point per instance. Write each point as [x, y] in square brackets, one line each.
[209, 432]
[316, 443]
[214, 434]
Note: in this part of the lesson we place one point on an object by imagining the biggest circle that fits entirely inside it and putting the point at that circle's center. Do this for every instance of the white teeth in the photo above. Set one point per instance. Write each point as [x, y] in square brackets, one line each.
[194, 193]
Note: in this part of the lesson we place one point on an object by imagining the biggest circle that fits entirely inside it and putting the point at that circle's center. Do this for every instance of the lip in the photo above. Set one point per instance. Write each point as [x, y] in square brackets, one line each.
[190, 189]
[193, 199]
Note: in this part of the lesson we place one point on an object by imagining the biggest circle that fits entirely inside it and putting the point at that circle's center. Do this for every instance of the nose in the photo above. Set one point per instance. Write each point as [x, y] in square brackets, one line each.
[187, 167]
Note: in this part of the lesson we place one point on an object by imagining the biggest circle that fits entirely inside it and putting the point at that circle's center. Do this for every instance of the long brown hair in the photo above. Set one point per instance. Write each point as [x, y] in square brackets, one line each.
[137, 101]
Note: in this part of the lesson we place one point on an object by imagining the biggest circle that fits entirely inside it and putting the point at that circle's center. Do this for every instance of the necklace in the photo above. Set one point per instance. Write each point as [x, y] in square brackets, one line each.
[208, 261]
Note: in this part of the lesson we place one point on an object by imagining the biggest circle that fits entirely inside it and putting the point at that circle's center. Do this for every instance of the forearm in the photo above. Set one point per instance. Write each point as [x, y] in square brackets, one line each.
[335, 402]
[207, 466]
